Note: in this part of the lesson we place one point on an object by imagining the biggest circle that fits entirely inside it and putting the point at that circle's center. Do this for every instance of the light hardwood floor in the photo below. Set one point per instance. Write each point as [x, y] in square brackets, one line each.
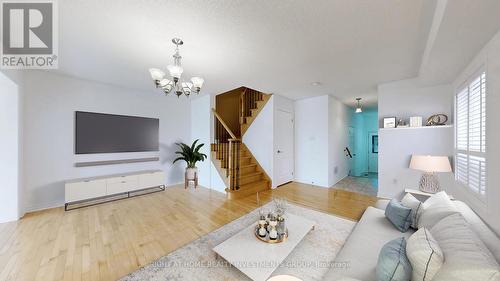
[108, 241]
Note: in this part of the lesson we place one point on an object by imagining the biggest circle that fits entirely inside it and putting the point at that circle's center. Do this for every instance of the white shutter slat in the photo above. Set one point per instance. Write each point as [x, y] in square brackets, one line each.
[470, 139]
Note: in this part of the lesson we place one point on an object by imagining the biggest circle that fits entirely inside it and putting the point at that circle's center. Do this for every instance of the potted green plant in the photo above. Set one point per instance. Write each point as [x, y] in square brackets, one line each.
[190, 154]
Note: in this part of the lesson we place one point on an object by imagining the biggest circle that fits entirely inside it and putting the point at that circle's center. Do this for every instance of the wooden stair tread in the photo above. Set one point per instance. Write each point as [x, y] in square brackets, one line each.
[253, 174]
[248, 189]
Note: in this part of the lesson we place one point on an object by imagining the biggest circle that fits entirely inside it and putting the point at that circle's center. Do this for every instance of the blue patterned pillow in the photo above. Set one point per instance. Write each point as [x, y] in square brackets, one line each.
[399, 215]
[393, 265]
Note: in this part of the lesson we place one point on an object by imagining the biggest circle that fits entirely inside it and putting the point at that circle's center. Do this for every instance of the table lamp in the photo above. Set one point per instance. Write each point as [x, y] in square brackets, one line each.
[430, 165]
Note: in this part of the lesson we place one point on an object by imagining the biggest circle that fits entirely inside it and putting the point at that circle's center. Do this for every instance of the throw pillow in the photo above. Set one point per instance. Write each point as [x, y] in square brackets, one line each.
[466, 256]
[393, 265]
[437, 207]
[425, 255]
[410, 201]
[399, 215]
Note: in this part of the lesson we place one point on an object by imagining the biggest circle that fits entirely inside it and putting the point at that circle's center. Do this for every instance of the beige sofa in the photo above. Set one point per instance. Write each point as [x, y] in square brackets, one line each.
[374, 230]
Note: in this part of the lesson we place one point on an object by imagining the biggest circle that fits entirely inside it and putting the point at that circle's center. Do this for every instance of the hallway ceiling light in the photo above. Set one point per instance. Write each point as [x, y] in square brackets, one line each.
[175, 82]
[358, 106]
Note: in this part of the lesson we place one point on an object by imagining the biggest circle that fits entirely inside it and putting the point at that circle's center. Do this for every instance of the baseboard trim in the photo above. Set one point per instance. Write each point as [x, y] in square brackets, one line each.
[309, 183]
[338, 181]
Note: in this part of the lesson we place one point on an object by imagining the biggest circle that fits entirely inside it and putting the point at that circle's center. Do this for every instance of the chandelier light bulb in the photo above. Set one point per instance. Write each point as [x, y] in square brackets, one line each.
[167, 89]
[163, 82]
[197, 82]
[186, 88]
[156, 74]
[175, 71]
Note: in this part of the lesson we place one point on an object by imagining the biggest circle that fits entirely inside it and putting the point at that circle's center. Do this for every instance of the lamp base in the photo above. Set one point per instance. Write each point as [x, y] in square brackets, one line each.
[429, 183]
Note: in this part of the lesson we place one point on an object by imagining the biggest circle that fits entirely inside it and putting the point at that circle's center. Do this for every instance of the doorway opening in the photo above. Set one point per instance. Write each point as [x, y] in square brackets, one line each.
[363, 147]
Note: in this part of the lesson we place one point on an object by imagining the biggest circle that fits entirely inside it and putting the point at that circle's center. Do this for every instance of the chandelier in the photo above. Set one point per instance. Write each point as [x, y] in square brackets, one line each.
[359, 109]
[175, 83]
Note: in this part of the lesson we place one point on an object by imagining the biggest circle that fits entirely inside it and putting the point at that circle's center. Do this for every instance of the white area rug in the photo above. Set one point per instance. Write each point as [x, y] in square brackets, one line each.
[310, 260]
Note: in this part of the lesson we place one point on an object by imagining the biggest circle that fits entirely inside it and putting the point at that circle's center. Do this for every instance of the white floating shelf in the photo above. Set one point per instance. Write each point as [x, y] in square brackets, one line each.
[416, 128]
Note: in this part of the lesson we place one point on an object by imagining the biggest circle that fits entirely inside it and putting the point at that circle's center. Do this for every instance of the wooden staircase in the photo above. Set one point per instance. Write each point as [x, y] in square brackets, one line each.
[252, 102]
[235, 163]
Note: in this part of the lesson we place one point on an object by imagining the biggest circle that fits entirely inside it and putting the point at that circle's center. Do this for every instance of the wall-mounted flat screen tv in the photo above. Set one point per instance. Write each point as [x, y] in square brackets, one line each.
[109, 133]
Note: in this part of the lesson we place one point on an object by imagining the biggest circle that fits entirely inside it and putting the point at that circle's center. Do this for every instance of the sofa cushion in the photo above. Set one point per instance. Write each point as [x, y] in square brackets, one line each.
[411, 202]
[425, 255]
[466, 256]
[399, 215]
[437, 207]
[363, 246]
[489, 238]
[393, 265]
[381, 204]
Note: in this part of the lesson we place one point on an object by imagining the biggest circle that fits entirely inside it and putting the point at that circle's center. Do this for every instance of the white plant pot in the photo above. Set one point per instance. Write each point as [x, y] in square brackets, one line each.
[191, 173]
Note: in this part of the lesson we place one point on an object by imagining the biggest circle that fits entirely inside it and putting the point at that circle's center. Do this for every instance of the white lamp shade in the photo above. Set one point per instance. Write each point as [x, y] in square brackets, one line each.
[187, 86]
[164, 82]
[197, 82]
[430, 164]
[156, 74]
[359, 110]
[284, 278]
[175, 71]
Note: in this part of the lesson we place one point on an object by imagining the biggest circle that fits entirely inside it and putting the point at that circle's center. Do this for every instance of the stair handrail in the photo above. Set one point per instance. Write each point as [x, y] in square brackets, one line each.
[227, 148]
[242, 106]
[224, 124]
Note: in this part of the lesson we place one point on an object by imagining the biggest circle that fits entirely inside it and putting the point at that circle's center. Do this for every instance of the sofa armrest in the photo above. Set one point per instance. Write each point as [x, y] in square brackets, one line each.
[382, 204]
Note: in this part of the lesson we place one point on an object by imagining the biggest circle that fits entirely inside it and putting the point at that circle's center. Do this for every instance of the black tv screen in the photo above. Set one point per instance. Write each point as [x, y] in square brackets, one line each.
[108, 133]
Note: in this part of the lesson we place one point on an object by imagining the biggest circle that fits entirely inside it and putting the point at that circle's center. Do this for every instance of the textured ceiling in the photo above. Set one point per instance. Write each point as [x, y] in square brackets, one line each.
[274, 46]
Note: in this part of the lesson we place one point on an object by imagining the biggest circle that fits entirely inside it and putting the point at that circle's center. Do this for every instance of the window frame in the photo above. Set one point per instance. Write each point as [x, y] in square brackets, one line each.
[466, 84]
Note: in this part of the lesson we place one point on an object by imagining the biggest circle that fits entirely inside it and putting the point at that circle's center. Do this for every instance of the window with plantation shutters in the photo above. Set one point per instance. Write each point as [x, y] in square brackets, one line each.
[470, 135]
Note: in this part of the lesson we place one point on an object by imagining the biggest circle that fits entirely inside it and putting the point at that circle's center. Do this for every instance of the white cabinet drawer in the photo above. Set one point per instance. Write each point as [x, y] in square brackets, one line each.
[120, 179]
[151, 179]
[121, 186]
[77, 191]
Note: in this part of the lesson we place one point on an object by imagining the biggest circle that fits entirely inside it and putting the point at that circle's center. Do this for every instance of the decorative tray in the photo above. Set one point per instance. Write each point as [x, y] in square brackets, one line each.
[281, 237]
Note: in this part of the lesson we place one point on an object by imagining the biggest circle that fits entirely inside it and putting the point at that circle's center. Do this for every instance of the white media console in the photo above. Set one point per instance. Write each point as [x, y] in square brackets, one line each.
[130, 184]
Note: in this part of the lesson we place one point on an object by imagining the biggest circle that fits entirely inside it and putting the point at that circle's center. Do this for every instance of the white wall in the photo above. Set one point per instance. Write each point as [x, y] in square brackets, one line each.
[404, 99]
[10, 126]
[395, 150]
[200, 129]
[49, 107]
[311, 141]
[489, 59]
[216, 182]
[339, 118]
[259, 137]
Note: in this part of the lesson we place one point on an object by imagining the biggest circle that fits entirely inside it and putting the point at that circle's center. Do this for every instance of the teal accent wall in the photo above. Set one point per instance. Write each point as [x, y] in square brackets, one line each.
[362, 123]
